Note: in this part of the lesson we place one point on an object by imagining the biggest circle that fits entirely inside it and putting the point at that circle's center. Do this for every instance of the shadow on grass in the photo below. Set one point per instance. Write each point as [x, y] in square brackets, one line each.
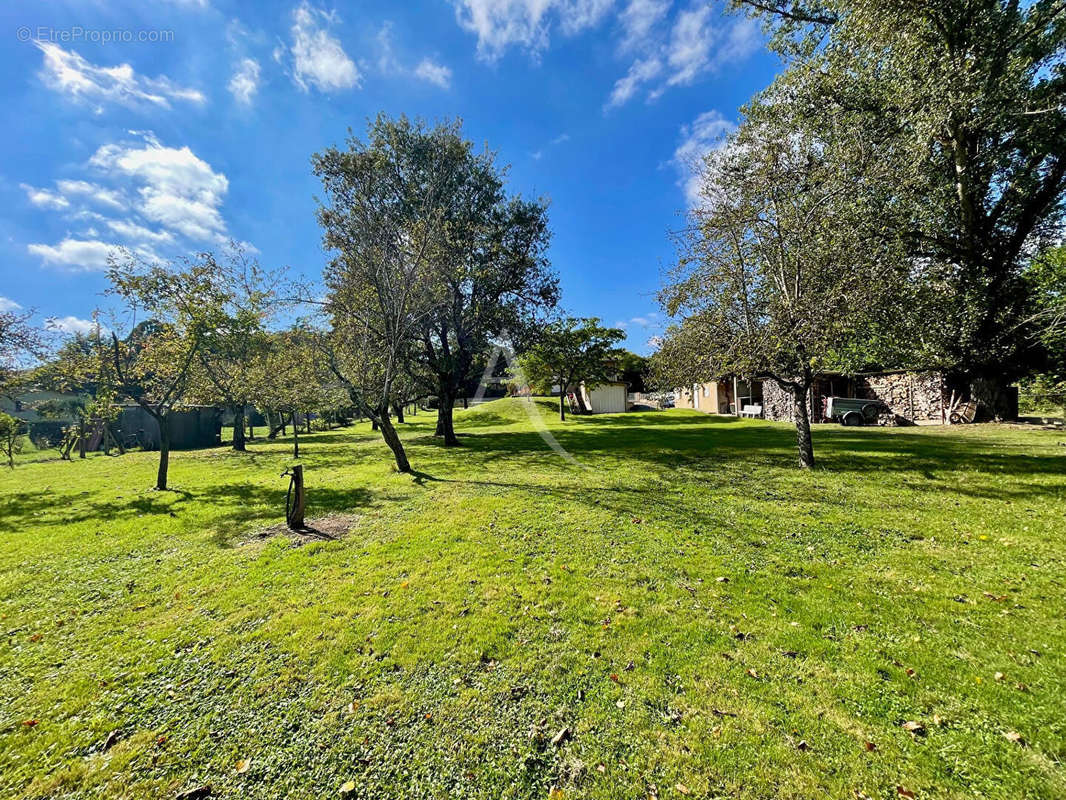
[720, 444]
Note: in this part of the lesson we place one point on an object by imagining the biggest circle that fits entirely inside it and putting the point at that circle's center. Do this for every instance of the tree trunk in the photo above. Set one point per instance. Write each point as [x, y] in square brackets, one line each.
[445, 425]
[803, 427]
[295, 437]
[374, 426]
[392, 439]
[466, 402]
[397, 410]
[562, 406]
[164, 452]
[296, 501]
[307, 420]
[81, 438]
[238, 428]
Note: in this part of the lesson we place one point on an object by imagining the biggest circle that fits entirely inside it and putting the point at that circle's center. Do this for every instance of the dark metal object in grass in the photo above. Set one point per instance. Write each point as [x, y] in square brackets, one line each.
[294, 498]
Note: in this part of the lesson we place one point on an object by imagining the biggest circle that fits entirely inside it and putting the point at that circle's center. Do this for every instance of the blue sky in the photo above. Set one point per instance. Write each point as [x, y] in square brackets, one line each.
[172, 126]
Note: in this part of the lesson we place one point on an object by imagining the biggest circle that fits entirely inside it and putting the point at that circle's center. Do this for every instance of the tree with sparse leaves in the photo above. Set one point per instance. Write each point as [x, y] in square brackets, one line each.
[154, 364]
[230, 358]
[383, 221]
[10, 437]
[21, 344]
[965, 105]
[778, 275]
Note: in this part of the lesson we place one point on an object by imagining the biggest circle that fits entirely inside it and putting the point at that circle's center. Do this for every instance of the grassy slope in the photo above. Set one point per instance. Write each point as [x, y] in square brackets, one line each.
[477, 610]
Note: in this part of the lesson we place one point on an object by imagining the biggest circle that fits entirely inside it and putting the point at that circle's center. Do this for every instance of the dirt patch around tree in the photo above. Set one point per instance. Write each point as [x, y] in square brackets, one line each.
[320, 529]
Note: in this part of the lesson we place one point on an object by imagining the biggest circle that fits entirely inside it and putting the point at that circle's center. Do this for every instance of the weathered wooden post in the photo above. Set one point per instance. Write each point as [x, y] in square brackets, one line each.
[294, 499]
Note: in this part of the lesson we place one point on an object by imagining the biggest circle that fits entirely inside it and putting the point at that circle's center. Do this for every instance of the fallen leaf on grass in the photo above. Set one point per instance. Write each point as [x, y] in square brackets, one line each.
[112, 739]
[614, 677]
[353, 706]
[561, 737]
[244, 765]
[803, 745]
[348, 787]
[682, 788]
[870, 747]
[904, 792]
[999, 676]
[1014, 736]
[752, 673]
[555, 793]
[601, 768]
[916, 728]
[621, 703]
[29, 723]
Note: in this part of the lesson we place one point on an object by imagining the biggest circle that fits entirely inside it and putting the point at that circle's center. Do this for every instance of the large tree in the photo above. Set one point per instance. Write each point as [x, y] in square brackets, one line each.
[568, 351]
[171, 308]
[778, 276]
[382, 218]
[489, 272]
[966, 104]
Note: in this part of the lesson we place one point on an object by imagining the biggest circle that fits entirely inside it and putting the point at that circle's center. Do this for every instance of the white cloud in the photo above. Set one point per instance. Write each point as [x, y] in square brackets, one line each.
[689, 52]
[434, 73]
[177, 189]
[639, 73]
[74, 325]
[69, 73]
[652, 320]
[93, 191]
[77, 255]
[318, 58]
[500, 24]
[132, 231]
[703, 135]
[245, 81]
[697, 44]
[639, 19]
[7, 305]
[43, 198]
[562, 137]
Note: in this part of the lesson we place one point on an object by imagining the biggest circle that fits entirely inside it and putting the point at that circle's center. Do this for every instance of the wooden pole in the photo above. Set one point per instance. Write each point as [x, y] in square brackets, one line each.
[295, 503]
[736, 400]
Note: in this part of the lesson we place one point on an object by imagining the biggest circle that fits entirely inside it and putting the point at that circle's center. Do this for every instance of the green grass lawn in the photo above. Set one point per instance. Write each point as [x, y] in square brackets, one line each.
[699, 616]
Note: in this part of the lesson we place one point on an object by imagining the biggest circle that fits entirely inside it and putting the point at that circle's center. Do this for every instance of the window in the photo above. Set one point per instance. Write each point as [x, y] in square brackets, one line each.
[706, 391]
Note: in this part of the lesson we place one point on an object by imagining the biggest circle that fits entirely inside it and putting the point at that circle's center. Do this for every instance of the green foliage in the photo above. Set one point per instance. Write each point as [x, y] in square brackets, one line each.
[963, 107]
[21, 344]
[10, 437]
[474, 612]
[571, 350]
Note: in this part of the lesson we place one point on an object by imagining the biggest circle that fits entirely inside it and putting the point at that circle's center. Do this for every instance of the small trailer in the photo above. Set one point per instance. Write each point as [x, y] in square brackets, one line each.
[853, 410]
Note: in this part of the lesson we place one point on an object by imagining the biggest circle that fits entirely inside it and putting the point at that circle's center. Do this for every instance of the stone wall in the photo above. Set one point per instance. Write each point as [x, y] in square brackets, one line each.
[909, 396]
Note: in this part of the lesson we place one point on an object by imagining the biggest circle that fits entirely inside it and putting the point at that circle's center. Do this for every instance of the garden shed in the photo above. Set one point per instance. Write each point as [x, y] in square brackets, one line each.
[198, 426]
